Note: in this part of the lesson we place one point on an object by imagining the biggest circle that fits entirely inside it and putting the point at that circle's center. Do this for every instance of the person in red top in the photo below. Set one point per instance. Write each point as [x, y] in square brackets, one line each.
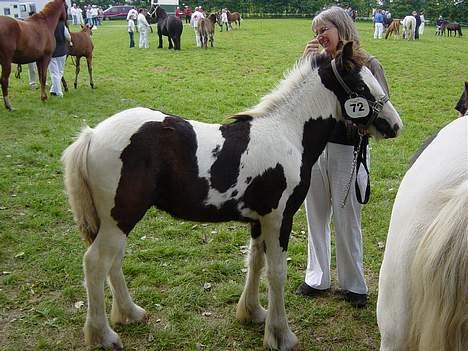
[177, 11]
[187, 13]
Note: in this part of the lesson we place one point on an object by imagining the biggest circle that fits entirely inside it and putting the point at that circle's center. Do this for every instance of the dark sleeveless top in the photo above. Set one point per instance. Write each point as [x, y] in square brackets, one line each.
[60, 45]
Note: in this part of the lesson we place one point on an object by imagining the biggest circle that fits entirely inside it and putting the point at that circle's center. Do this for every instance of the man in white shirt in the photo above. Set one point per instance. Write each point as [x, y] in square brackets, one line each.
[196, 16]
[74, 14]
[143, 29]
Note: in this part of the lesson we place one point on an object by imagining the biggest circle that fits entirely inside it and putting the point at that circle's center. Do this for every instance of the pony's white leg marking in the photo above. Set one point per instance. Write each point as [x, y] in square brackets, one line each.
[124, 310]
[278, 336]
[97, 263]
[249, 308]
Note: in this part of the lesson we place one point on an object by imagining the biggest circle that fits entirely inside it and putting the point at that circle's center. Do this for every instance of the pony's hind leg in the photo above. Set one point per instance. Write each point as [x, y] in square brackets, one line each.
[89, 61]
[124, 310]
[97, 263]
[249, 308]
[77, 71]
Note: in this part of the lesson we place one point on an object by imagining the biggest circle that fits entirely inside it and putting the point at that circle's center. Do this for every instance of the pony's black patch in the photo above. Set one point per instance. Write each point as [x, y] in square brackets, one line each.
[255, 229]
[215, 151]
[313, 142]
[168, 180]
[225, 170]
[264, 192]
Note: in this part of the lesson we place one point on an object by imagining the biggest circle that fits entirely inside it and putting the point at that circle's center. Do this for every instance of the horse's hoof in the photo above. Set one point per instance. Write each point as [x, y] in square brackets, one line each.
[92, 86]
[75, 85]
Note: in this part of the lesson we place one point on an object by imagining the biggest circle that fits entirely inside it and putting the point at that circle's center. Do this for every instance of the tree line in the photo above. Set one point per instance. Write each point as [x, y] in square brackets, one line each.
[453, 10]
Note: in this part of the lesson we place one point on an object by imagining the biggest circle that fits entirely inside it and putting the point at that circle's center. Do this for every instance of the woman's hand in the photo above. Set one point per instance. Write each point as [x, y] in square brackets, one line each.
[312, 48]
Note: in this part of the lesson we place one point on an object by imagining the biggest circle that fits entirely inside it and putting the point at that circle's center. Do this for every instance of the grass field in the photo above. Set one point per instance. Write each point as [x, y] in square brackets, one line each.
[168, 261]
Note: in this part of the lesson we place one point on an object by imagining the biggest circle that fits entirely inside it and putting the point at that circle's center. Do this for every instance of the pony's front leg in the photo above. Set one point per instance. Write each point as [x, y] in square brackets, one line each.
[249, 308]
[97, 263]
[124, 310]
[6, 70]
[42, 65]
[278, 336]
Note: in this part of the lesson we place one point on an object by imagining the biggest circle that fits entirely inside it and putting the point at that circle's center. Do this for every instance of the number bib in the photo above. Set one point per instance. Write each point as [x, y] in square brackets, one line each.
[356, 107]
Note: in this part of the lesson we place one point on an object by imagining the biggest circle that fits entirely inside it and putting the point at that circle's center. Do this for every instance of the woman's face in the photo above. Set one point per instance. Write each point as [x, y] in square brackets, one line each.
[327, 36]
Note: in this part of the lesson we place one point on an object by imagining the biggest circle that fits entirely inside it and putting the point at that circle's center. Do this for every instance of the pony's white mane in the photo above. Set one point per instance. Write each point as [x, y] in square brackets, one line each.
[298, 78]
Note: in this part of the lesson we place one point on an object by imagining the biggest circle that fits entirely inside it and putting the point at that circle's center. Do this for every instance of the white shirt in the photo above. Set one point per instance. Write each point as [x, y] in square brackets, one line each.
[224, 18]
[196, 16]
[131, 25]
[132, 12]
[142, 22]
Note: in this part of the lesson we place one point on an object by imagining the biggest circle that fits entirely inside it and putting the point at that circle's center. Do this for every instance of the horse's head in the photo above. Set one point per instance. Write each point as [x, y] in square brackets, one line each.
[87, 29]
[160, 13]
[362, 99]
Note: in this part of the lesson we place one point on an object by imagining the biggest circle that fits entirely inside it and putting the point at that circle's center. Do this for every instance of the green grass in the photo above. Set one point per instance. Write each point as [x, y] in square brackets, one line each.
[167, 260]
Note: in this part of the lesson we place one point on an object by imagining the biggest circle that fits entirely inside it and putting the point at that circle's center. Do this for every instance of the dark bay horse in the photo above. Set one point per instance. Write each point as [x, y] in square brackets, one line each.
[451, 27]
[206, 29]
[82, 47]
[169, 26]
[31, 40]
[234, 17]
[255, 170]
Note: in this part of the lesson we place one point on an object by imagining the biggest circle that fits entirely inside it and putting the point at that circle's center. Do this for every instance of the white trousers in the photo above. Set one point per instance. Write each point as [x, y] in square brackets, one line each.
[421, 29]
[56, 69]
[330, 176]
[143, 37]
[32, 73]
[197, 38]
[378, 31]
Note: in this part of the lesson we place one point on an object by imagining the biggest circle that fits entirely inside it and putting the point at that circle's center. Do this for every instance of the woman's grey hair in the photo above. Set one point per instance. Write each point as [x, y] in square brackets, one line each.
[341, 20]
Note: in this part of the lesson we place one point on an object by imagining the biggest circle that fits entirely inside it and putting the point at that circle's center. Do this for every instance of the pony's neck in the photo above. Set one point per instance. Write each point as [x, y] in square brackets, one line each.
[52, 12]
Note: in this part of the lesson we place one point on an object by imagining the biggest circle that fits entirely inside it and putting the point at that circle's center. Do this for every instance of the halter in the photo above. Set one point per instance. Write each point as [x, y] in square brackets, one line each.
[377, 106]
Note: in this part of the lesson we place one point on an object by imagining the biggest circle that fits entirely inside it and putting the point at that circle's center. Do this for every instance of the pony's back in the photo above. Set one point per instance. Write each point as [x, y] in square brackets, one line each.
[423, 279]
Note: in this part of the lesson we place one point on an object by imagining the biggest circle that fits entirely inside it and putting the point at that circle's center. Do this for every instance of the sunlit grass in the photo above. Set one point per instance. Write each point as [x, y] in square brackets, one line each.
[168, 261]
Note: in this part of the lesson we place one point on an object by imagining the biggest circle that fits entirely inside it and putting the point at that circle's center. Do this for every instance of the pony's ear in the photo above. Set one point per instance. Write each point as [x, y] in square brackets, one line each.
[347, 53]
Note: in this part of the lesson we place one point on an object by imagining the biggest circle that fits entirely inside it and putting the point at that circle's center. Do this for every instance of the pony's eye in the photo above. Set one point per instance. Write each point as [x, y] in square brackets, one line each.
[361, 88]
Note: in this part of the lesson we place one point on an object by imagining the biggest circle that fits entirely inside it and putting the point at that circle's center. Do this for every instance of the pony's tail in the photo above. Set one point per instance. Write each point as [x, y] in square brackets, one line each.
[75, 162]
[439, 279]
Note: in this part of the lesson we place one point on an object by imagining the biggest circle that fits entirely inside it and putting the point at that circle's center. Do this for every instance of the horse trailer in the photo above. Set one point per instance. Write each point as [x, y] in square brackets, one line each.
[168, 5]
[10, 8]
[21, 9]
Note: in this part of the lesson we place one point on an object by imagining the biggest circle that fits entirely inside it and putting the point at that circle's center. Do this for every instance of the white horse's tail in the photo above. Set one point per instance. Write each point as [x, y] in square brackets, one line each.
[80, 198]
[439, 279]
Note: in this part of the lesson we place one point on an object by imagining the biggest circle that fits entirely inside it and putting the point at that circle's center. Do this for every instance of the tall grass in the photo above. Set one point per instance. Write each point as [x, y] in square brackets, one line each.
[169, 261]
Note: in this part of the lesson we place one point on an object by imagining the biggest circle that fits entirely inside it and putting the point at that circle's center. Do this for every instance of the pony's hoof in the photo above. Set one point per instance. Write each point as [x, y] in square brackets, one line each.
[92, 86]
[282, 342]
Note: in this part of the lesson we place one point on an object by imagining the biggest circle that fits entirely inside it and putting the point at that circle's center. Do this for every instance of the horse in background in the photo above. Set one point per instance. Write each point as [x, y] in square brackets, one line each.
[393, 29]
[214, 173]
[206, 30]
[451, 27]
[82, 47]
[169, 26]
[221, 23]
[233, 17]
[31, 40]
[409, 27]
[424, 275]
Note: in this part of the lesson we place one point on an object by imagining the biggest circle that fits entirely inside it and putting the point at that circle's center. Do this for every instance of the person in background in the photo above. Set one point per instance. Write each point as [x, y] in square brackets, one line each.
[330, 179]
[418, 23]
[143, 29]
[187, 14]
[79, 12]
[378, 24]
[131, 30]
[421, 27]
[57, 62]
[196, 16]
[177, 12]
[439, 23]
[74, 14]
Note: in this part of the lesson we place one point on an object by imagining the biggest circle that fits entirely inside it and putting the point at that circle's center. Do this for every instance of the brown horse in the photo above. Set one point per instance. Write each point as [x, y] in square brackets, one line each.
[234, 17]
[393, 28]
[206, 29]
[31, 40]
[451, 27]
[82, 47]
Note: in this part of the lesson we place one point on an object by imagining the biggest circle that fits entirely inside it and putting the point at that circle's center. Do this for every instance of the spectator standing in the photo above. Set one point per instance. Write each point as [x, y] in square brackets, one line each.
[421, 27]
[57, 62]
[187, 14]
[224, 20]
[196, 16]
[74, 14]
[177, 12]
[79, 12]
[329, 180]
[143, 29]
[131, 30]
[418, 24]
[378, 24]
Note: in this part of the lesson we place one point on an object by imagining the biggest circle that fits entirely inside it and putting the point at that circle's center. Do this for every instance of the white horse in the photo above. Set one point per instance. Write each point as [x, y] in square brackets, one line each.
[423, 281]
[409, 27]
[256, 170]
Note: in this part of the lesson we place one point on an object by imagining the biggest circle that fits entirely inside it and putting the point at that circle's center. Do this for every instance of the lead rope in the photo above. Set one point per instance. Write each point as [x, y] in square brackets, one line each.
[356, 152]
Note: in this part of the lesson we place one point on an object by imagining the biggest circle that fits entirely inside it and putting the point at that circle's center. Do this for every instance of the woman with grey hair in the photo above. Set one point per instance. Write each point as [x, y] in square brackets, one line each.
[332, 189]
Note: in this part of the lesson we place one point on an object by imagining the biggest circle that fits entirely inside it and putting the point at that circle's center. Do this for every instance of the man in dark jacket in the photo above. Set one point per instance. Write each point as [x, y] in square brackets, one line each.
[57, 62]
[418, 23]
